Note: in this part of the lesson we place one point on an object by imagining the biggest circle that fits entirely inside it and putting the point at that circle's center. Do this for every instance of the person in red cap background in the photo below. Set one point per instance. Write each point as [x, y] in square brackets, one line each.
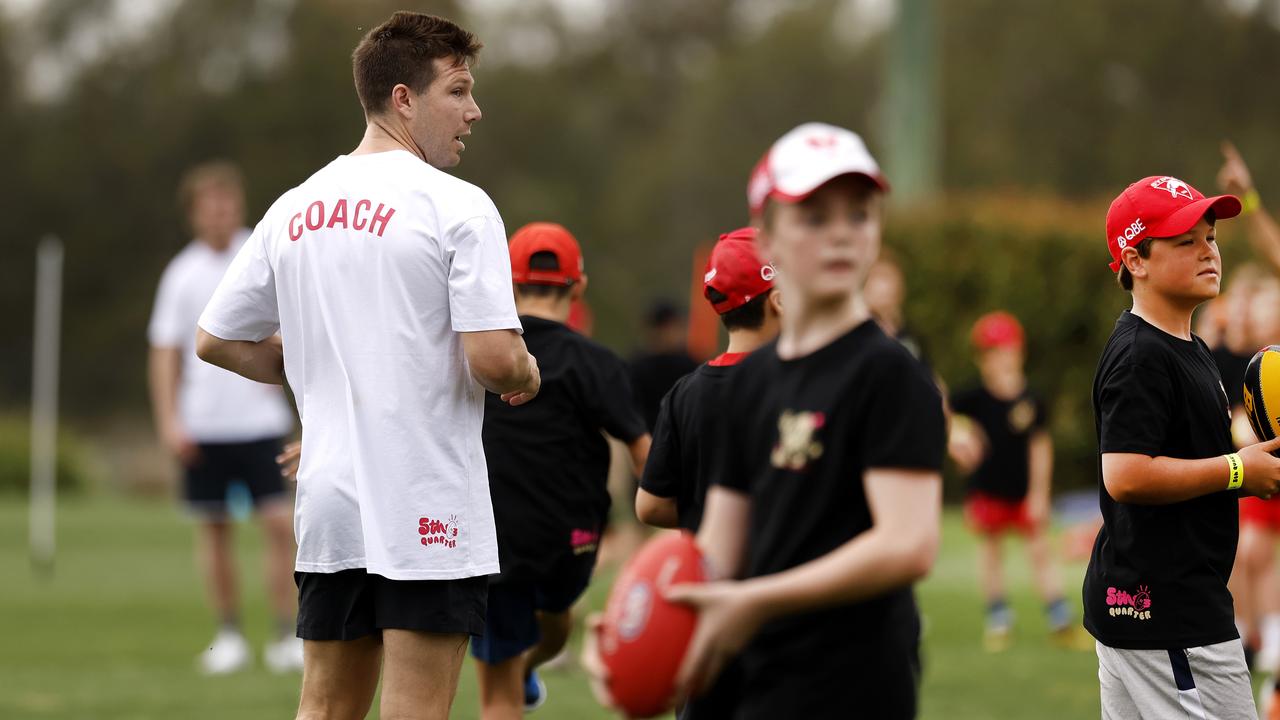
[548, 467]
[1000, 438]
[1155, 592]
[826, 497]
[739, 286]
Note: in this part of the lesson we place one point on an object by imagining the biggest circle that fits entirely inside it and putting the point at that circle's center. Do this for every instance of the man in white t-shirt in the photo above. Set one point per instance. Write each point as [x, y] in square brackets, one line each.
[389, 282]
[222, 428]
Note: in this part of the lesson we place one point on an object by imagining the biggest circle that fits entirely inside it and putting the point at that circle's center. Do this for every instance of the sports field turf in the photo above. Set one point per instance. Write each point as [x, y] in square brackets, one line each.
[114, 632]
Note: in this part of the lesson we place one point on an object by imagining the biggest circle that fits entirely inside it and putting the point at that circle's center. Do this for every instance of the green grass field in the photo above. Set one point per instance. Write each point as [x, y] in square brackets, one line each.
[114, 632]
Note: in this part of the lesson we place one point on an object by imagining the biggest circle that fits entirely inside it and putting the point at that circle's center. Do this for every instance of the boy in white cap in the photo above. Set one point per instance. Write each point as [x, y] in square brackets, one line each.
[827, 502]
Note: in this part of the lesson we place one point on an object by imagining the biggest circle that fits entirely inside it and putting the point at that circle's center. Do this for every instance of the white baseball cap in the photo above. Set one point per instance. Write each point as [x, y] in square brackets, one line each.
[807, 158]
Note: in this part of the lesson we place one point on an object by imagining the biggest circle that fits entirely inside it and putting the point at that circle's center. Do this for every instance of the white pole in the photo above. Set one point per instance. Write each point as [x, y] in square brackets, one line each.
[44, 402]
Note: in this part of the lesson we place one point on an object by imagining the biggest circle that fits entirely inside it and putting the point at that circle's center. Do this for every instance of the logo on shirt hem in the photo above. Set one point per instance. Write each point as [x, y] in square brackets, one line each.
[584, 541]
[436, 532]
[1124, 604]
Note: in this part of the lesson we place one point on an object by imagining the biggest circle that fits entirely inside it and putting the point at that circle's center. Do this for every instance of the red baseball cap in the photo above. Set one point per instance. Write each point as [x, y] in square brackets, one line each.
[997, 329]
[735, 271]
[545, 237]
[1159, 206]
[807, 158]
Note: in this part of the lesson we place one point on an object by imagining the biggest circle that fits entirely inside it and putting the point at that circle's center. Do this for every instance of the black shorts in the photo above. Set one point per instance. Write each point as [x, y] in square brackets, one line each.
[511, 623]
[350, 604]
[206, 483]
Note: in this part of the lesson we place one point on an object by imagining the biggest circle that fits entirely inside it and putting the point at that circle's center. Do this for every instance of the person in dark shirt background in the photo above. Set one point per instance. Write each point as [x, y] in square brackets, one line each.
[548, 464]
[663, 360]
[1000, 438]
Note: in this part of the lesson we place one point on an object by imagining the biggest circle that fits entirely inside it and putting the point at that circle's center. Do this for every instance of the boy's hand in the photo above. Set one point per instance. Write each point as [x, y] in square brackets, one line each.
[1234, 177]
[530, 389]
[289, 459]
[966, 444]
[589, 659]
[1261, 469]
[727, 620]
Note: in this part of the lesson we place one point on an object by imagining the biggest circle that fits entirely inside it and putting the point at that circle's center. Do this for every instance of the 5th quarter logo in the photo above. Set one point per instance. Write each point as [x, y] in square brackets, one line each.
[437, 532]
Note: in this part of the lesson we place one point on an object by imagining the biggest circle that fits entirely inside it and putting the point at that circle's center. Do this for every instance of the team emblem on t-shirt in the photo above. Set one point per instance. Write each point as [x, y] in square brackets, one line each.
[436, 532]
[1137, 605]
[1021, 415]
[796, 447]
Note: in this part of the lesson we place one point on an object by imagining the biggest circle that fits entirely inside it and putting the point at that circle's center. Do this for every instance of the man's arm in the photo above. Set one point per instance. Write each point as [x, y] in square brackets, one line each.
[655, 510]
[262, 361]
[1139, 479]
[164, 372]
[501, 363]
[1039, 476]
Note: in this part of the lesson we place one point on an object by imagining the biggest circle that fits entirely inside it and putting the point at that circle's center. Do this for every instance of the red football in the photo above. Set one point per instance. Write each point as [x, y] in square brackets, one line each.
[643, 638]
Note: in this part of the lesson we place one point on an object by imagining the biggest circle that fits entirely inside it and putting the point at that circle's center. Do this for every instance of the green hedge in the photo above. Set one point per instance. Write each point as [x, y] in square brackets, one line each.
[1044, 261]
[73, 467]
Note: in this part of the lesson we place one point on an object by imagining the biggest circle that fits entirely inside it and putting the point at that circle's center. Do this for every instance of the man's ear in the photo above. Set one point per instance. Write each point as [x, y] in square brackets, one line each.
[403, 102]
[775, 302]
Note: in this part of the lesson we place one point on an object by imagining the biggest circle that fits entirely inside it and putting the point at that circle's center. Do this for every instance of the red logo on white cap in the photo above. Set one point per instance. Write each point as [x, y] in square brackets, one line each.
[1174, 187]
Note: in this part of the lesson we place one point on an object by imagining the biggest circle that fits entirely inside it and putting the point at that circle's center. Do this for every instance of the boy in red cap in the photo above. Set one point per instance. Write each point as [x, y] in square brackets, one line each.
[1155, 593]
[548, 466]
[827, 496]
[739, 285]
[1000, 438]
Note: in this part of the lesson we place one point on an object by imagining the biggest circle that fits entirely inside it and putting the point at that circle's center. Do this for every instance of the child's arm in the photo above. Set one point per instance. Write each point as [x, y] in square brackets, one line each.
[899, 549]
[1235, 178]
[639, 450]
[655, 510]
[1040, 476]
[1143, 480]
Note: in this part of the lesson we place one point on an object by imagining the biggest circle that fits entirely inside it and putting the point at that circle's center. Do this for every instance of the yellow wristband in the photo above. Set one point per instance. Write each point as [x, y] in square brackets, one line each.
[1250, 202]
[1237, 471]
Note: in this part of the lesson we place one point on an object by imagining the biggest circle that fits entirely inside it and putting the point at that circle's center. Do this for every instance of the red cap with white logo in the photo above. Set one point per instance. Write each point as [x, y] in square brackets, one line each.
[1159, 207]
[540, 237]
[807, 158]
[735, 271]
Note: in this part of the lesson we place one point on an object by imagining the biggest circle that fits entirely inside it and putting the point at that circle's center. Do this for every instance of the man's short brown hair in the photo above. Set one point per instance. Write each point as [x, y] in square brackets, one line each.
[214, 173]
[403, 50]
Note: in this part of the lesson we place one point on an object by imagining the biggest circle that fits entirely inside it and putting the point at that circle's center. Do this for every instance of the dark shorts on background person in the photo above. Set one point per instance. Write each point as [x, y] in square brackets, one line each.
[253, 463]
[351, 604]
[511, 623]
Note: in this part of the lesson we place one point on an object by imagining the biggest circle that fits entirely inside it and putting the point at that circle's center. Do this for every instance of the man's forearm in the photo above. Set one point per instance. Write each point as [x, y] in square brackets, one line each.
[262, 361]
[163, 375]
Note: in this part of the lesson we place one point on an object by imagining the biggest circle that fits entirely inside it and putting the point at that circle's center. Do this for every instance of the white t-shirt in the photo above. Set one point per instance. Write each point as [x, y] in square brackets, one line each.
[214, 405]
[369, 270]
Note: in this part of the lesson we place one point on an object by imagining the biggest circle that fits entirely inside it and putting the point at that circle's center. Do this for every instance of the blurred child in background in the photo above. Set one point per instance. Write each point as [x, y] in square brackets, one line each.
[1000, 439]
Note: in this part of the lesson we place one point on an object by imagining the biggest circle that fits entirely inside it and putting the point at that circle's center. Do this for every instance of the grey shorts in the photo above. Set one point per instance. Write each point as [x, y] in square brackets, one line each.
[1200, 683]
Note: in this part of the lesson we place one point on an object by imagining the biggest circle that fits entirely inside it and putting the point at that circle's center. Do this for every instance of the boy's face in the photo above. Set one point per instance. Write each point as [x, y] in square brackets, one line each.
[1000, 361]
[1186, 267]
[824, 245]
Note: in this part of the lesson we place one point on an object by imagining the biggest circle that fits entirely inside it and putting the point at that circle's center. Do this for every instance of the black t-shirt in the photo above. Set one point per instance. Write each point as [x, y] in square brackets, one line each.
[1231, 367]
[1158, 575]
[653, 375]
[685, 439]
[1008, 426]
[548, 461]
[799, 435]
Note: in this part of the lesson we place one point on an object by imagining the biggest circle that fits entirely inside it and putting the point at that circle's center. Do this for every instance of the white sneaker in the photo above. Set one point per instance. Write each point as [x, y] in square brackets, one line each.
[283, 655]
[227, 653]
